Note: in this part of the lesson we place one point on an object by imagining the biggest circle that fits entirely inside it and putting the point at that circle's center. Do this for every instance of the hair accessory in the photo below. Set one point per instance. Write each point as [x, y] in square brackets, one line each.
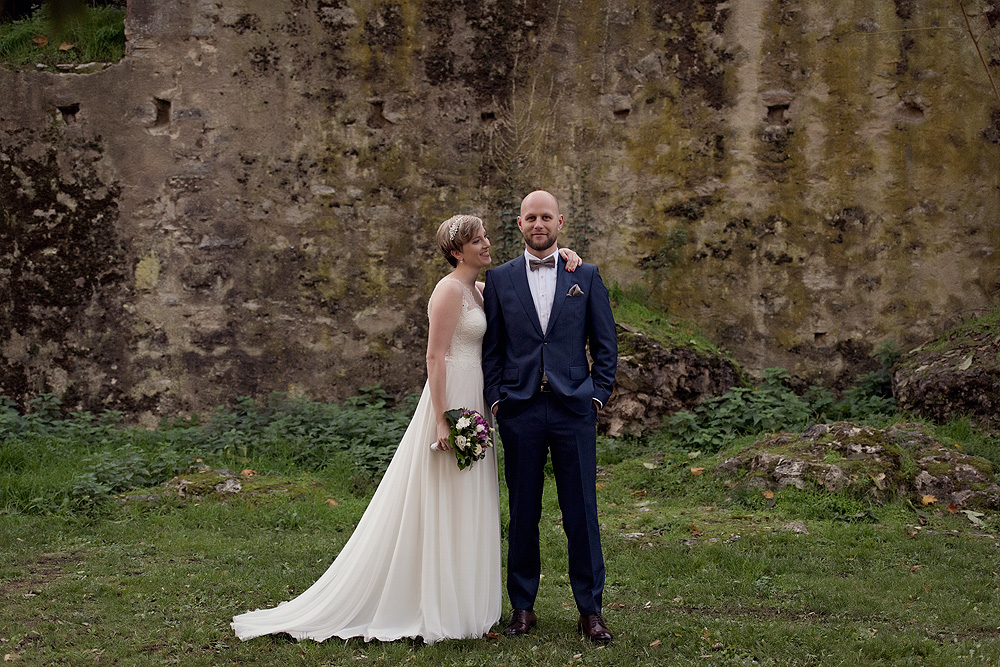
[453, 230]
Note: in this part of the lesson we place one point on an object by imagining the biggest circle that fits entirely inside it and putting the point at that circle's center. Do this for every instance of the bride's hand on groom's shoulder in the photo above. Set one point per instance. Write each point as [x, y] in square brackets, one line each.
[572, 259]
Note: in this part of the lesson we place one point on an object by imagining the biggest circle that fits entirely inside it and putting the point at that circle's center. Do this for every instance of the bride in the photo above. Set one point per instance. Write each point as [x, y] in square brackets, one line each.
[424, 561]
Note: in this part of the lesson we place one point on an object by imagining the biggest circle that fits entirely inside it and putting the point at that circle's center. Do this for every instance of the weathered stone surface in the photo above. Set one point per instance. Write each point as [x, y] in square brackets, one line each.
[954, 376]
[865, 462]
[203, 481]
[655, 380]
[246, 203]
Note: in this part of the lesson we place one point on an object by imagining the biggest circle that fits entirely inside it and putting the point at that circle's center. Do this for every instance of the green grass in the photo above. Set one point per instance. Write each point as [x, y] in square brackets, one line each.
[699, 572]
[97, 35]
[970, 331]
[670, 332]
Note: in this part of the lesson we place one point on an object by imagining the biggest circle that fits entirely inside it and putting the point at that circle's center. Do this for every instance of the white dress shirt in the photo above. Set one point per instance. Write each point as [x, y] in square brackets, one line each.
[542, 283]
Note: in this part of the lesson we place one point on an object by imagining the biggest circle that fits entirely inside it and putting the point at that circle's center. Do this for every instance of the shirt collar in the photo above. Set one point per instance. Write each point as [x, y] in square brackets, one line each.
[529, 256]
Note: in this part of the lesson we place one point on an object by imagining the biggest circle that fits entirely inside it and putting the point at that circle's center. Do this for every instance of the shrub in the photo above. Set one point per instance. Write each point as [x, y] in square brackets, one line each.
[53, 463]
[96, 35]
[772, 406]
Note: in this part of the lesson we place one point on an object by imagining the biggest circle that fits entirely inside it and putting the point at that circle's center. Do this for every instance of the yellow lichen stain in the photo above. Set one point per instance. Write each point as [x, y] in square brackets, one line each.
[147, 273]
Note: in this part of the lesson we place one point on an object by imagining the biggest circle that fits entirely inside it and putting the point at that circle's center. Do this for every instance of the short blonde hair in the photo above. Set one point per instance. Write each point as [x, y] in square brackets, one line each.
[455, 232]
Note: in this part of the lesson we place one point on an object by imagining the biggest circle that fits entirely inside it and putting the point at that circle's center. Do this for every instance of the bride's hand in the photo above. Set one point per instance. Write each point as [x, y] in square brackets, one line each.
[571, 258]
[443, 431]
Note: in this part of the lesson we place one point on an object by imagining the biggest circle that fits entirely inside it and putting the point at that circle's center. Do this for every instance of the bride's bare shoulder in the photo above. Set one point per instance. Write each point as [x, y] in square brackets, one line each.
[448, 290]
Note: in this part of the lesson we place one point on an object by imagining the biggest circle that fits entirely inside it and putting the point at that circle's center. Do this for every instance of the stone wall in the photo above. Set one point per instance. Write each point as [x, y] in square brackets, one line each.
[246, 203]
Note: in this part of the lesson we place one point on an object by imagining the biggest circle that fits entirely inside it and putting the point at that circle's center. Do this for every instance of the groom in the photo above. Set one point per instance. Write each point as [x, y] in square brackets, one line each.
[541, 321]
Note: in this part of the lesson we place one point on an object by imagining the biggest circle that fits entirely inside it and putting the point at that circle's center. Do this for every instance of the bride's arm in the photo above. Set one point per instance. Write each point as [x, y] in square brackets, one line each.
[444, 311]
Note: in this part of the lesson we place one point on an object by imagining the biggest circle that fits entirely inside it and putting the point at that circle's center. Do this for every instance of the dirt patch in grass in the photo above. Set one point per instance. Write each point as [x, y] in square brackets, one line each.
[42, 570]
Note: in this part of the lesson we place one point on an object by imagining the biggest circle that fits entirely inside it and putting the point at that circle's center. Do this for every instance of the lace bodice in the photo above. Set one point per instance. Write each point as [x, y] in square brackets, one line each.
[467, 342]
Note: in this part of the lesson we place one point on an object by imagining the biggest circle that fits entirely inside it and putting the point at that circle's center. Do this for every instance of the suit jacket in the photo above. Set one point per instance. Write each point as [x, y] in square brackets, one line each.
[516, 351]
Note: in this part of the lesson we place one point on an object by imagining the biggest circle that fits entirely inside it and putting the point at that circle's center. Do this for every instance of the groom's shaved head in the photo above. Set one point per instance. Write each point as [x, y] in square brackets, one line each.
[538, 196]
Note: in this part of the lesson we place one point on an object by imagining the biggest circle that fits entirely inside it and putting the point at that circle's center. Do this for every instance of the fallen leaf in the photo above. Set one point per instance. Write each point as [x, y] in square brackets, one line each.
[694, 455]
[331, 502]
[974, 517]
[656, 644]
[695, 531]
[928, 500]
[66, 46]
[768, 493]
[640, 492]
[41, 40]
[952, 508]
[697, 471]
[915, 568]
[879, 481]
[493, 635]
[577, 655]
[248, 473]
[650, 466]
[964, 366]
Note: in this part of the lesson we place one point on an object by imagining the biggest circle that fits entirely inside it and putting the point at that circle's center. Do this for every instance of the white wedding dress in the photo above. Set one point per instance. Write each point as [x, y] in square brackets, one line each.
[424, 561]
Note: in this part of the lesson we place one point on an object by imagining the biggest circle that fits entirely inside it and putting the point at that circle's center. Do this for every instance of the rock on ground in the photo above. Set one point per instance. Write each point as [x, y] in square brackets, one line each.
[956, 375]
[903, 459]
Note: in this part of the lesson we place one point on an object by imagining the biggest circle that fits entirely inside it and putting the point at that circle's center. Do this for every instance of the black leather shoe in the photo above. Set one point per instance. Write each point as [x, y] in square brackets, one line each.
[593, 627]
[521, 621]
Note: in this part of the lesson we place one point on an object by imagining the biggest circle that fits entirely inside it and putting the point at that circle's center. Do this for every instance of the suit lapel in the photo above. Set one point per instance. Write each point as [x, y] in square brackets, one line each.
[563, 281]
[520, 281]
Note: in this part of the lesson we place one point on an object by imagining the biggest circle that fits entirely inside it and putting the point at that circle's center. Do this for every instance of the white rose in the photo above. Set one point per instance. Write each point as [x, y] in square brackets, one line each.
[480, 428]
[462, 423]
[461, 441]
[479, 449]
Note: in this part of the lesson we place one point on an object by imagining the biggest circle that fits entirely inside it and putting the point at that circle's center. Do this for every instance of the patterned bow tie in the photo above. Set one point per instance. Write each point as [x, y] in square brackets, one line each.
[535, 264]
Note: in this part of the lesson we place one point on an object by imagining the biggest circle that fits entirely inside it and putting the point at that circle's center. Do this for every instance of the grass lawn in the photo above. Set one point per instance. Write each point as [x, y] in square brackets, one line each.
[698, 573]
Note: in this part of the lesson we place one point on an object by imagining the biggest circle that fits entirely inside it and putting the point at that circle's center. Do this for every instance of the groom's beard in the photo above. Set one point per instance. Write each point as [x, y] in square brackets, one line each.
[540, 246]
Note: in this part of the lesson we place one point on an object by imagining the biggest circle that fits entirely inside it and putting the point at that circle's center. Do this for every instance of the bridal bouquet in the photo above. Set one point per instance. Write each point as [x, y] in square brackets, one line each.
[470, 436]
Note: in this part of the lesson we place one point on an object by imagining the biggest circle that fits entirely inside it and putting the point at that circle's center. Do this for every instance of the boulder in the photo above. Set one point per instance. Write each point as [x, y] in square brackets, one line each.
[655, 380]
[956, 375]
[879, 464]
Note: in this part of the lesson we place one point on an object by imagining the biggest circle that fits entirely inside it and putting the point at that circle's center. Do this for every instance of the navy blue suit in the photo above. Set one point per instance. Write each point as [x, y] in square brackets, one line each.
[562, 421]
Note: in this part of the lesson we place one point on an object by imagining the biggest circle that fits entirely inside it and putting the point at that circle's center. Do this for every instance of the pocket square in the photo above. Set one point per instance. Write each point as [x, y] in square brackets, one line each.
[575, 291]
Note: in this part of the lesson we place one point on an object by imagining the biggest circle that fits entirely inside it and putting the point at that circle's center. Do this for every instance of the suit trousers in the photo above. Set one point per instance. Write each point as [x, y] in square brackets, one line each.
[529, 434]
